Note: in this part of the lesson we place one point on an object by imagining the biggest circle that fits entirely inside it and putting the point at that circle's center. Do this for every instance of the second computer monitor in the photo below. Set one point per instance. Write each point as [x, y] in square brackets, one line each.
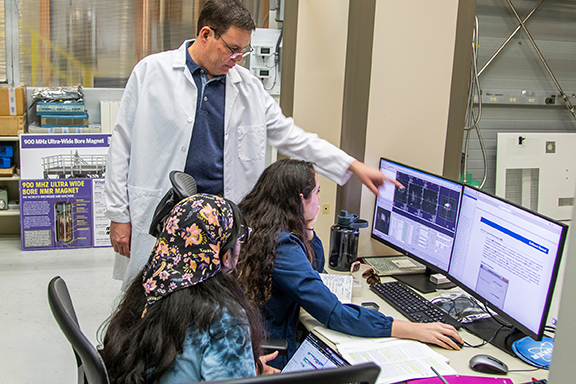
[419, 220]
[507, 257]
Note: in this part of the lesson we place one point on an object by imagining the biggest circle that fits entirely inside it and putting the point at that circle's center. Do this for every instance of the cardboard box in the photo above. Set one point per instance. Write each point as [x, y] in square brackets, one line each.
[11, 125]
[13, 101]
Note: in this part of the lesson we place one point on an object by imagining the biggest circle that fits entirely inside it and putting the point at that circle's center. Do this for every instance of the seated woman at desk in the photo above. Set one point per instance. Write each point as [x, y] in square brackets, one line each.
[279, 267]
[186, 319]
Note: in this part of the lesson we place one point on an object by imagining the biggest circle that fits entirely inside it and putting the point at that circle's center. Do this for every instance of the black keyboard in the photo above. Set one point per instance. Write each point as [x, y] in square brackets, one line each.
[411, 304]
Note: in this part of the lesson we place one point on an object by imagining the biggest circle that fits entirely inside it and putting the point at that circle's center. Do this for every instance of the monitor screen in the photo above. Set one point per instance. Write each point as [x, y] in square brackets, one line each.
[507, 257]
[419, 220]
[313, 353]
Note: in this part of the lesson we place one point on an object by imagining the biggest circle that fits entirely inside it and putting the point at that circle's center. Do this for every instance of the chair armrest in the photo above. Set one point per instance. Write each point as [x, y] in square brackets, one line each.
[271, 345]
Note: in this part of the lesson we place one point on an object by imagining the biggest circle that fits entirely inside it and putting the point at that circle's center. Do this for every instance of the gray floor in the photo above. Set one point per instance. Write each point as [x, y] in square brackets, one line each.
[32, 346]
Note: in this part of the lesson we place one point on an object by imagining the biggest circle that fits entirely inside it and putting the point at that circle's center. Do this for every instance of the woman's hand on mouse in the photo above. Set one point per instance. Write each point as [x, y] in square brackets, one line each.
[433, 333]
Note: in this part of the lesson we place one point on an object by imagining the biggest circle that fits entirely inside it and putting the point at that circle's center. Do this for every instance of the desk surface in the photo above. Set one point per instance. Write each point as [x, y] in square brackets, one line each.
[458, 359]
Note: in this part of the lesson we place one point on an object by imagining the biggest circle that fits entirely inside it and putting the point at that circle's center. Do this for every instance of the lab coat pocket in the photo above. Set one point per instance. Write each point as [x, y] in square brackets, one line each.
[142, 205]
[252, 142]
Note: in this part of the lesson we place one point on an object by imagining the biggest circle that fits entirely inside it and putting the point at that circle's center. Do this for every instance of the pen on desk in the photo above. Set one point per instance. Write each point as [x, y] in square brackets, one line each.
[439, 375]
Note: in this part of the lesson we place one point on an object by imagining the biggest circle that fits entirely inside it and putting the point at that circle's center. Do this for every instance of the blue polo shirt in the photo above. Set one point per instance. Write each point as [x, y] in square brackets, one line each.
[205, 161]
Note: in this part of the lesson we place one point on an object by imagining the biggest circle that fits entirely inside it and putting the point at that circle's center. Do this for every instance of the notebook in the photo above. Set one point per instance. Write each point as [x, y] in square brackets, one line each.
[313, 354]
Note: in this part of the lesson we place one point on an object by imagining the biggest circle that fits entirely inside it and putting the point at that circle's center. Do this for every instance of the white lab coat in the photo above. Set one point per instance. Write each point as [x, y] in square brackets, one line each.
[152, 134]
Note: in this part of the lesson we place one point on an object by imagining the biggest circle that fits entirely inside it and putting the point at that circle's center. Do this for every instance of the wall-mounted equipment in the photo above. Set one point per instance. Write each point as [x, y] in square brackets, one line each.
[538, 171]
[265, 59]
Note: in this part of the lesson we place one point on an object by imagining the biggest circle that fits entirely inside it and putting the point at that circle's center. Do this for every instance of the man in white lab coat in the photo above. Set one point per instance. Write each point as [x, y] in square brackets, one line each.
[194, 109]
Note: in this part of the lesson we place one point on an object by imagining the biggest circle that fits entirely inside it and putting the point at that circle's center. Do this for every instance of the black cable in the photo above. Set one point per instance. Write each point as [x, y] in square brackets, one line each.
[457, 314]
[484, 342]
[496, 318]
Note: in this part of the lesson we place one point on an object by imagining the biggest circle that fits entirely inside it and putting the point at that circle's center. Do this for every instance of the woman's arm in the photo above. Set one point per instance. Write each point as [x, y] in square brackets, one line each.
[294, 275]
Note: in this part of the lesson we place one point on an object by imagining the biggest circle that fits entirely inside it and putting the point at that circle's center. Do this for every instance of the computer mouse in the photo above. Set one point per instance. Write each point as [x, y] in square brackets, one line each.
[459, 344]
[488, 364]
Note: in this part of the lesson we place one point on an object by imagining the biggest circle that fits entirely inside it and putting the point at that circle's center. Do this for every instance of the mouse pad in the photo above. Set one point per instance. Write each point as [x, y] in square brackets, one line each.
[457, 379]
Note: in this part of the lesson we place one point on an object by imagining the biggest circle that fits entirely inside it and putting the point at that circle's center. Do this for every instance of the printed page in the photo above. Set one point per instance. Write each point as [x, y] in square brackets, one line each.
[399, 360]
[339, 338]
[340, 285]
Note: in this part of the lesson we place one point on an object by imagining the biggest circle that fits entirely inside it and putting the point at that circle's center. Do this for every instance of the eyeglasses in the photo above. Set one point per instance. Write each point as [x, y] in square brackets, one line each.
[371, 276]
[244, 234]
[235, 54]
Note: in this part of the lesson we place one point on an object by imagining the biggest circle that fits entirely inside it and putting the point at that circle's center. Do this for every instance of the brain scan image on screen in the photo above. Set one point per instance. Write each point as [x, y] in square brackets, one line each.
[382, 220]
[448, 208]
[427, 200]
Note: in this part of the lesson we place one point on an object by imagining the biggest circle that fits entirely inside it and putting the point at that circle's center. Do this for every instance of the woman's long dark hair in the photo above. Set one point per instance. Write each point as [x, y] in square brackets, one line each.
[140, 350]
[273, 205]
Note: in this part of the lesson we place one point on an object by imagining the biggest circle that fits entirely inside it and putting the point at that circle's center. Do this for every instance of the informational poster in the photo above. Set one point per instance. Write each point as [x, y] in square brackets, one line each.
[56, 213]
[101, 224]
[63, 156]
[62, 191]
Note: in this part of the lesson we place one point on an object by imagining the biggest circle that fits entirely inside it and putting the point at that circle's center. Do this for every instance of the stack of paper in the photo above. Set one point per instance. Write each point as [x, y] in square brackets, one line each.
[340, 285]
[400, 360]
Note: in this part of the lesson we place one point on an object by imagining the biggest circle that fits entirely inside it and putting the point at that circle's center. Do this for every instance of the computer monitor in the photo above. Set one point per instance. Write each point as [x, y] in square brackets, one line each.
[508, 258]
[419, 220]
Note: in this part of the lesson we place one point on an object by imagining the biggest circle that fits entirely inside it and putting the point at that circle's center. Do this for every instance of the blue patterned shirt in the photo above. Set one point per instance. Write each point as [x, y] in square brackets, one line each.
[223, 352]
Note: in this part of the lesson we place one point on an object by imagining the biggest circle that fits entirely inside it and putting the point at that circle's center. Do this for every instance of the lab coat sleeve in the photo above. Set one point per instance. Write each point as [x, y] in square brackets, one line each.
[294, 274]
[118, 159]
[293, 141]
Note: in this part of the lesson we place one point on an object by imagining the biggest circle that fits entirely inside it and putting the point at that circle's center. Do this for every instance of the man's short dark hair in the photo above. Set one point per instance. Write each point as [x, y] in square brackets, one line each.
[222, 14]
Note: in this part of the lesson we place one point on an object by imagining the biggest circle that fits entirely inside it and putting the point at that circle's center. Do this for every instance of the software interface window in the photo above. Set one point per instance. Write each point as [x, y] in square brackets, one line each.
[506, 254]
[422, 216]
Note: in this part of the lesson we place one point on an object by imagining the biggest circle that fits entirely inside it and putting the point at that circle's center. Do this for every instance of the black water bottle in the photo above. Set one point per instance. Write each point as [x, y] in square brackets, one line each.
[344, 241]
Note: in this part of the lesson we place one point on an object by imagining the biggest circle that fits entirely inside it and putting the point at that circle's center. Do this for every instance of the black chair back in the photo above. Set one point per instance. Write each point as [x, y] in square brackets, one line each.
[91, 368]
[183, 185]
[363, 374]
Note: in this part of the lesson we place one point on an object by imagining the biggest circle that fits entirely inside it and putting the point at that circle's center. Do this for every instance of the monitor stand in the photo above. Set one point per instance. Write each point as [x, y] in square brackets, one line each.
[421, 282]
[493, 332]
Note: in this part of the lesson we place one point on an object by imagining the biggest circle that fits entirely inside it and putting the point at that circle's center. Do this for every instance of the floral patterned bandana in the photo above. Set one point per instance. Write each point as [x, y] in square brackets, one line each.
[187, 251]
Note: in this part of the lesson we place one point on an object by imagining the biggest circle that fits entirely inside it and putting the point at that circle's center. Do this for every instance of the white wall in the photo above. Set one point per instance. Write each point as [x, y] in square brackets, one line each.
[410, 87]
[410, 90]
[319, 83]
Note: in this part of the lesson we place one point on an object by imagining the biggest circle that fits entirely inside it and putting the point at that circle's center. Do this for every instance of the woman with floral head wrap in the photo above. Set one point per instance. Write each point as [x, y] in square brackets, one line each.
[186, 319]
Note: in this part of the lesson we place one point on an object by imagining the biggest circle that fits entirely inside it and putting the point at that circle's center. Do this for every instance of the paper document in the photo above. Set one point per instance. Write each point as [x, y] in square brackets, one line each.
[399, 360]
[463, 380]
[337, 338]
[340, 285]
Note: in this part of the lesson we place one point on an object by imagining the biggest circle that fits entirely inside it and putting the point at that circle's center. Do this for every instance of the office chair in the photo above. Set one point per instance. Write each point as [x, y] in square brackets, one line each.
[363, 374]
[91, 368]
[183, 185]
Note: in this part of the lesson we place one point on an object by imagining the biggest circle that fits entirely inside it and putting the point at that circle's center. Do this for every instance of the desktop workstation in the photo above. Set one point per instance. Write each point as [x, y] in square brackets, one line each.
[504, 256]
[459, 360]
